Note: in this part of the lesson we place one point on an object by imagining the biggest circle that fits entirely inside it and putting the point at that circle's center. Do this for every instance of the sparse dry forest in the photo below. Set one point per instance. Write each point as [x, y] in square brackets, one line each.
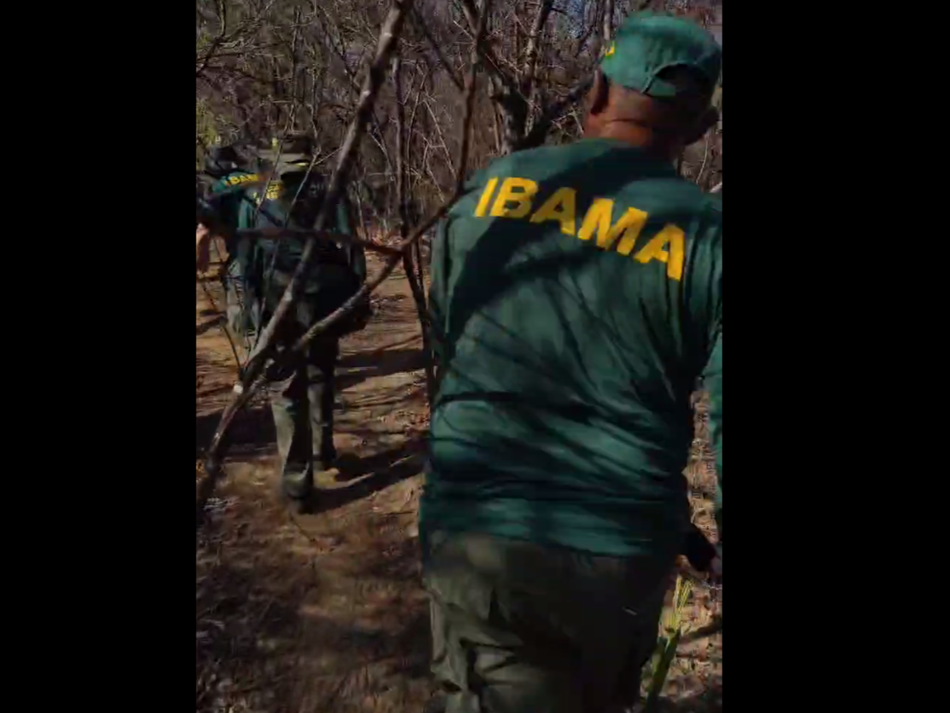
[325, 612]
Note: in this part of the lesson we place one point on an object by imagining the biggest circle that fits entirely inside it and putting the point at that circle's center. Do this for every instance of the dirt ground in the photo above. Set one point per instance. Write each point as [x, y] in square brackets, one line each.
[325, 613]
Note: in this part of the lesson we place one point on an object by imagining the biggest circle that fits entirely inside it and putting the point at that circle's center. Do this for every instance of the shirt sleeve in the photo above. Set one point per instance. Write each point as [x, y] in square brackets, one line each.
[712, 377]
[222, 206]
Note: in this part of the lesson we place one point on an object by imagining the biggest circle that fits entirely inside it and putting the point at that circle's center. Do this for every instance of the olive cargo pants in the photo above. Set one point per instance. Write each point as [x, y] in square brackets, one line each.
[302, 404]
[243, 307]
[522, 628]
[302, 397]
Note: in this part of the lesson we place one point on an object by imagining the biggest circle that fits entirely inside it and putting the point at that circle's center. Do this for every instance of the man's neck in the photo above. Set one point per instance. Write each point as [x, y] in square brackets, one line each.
[640, 137]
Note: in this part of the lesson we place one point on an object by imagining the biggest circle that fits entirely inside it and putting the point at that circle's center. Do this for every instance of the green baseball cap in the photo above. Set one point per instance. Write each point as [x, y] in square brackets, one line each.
[648, 43]
[291, 152]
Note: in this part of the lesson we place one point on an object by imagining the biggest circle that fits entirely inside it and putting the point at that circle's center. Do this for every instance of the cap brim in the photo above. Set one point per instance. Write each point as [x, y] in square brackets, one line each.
[295, 158]
[288, 156]
[660, 89]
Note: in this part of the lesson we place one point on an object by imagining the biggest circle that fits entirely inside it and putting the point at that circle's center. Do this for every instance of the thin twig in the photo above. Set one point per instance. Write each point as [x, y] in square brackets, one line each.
[415, 286]
[423, 26]
[532, 49]
[214, 306]
[492, 64]
[702, 167]
[608, 21]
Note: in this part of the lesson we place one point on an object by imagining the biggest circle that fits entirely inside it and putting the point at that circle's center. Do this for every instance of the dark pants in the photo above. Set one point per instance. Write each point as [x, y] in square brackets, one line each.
[302, 403]
[521, 628]
[242, 303]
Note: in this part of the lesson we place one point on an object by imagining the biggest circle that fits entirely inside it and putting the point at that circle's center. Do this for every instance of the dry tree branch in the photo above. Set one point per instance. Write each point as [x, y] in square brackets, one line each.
[492, 63]
[222, 13]
[533, 47]
[702, 167]
[552, 113]
[608, 30]
[438, 130]
[419, 22]
[255, 373]
[246, 28]
[420, 229]
[415, 285]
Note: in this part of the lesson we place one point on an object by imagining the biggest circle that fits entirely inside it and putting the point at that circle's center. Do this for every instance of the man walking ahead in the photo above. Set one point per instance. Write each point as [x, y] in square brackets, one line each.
[302, 398]
[576, 298]
[226, 198]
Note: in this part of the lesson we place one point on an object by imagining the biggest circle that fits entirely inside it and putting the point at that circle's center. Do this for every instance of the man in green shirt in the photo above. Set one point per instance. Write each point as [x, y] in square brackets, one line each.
[226, 198]
[576, 300]
[302, 397]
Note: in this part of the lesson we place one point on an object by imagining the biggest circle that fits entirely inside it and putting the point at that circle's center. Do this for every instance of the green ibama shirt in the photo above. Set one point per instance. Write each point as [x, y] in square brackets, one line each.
[576, 301]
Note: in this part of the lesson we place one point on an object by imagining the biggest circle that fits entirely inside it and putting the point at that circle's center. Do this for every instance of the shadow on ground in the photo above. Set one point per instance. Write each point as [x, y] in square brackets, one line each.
[251, 434]
[370, 474]
[238, 609]
[355, 368]
[215, 321]
[282, 627]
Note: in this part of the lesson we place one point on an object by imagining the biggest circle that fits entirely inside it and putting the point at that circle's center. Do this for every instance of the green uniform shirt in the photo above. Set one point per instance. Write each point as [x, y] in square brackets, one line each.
[226, 197]
[576, 299]
[332, 272]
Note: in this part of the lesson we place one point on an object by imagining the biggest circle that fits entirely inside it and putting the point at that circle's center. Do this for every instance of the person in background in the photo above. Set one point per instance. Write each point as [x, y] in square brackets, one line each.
[225, 199]
[302, 398]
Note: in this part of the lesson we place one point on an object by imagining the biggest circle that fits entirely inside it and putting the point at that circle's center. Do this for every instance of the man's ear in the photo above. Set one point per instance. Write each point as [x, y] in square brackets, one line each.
[599, 96]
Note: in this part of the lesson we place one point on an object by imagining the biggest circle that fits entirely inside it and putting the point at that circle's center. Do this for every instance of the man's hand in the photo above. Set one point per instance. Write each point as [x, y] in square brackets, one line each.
[202, 248]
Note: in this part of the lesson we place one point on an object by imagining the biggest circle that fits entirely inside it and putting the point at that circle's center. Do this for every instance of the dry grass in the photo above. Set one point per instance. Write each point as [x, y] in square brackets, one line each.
[324, 612]
[295, 615]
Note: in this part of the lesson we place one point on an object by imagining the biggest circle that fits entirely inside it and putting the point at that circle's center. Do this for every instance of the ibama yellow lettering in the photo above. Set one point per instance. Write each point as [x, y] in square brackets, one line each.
[482, 206]
[561, 207]
[674, 256]
[242, 178]
[519, 191]
[628, 227]
[273, 191]
[598, 219]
